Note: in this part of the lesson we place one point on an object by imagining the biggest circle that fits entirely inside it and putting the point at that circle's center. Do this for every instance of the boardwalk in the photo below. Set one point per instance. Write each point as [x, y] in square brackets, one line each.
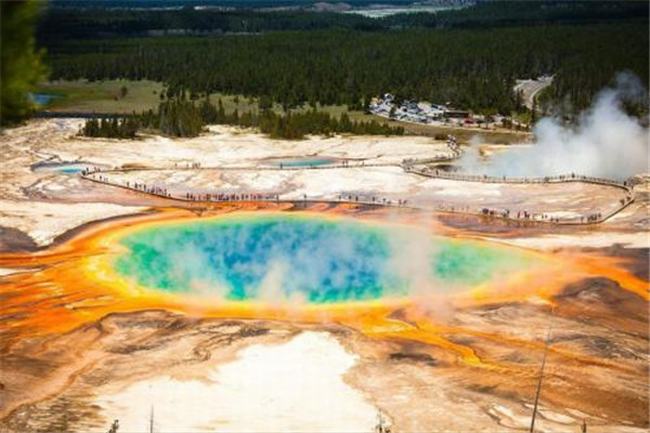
[103, 176]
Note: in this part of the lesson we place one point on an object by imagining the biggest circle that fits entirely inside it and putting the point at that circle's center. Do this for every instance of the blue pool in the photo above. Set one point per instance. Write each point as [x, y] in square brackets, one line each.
[319, 259]
[304, 162]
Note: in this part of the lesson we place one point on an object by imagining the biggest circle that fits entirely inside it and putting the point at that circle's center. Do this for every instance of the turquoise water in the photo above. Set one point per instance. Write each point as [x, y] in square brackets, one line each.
[70, 170]
[317, 259]
[305, 162]
[65, 168]
[42, 99]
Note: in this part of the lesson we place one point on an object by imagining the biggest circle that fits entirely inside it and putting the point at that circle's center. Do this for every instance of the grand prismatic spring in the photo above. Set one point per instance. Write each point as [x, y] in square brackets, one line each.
[308, 257]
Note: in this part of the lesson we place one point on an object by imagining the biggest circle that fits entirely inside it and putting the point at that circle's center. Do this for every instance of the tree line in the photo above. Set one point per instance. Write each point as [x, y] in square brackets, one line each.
[179, 116]
[471, 69]
[125, 127]
[296, 125]
[93, 19]
[517, 13]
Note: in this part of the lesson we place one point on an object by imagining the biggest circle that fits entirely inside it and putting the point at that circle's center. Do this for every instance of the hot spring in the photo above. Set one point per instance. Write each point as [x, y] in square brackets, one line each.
[303, 162]
[312, 258]
[73, 167]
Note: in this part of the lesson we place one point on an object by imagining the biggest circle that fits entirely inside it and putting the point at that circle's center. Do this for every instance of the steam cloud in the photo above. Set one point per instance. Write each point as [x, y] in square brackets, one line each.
[606, 142]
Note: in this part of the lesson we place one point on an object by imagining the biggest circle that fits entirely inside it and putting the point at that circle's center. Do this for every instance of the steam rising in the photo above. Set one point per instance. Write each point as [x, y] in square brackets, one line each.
[605, 142]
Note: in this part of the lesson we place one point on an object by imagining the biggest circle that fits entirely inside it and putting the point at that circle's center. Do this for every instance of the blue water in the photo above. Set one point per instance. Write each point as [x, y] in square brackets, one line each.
[70, 170]
[306, 162]
[42, 99]
[62, 167]
[281, 256]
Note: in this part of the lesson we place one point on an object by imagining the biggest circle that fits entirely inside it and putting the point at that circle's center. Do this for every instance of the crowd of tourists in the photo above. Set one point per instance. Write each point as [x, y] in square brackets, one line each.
[96, 174]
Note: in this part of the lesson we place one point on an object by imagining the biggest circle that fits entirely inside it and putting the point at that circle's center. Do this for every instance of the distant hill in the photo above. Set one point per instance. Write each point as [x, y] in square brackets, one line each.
[250, 4]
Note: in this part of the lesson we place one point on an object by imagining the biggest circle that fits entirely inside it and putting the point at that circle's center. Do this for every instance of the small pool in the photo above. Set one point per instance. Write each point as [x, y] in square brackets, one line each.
[304, 162]
[61, 167]
[42, 99]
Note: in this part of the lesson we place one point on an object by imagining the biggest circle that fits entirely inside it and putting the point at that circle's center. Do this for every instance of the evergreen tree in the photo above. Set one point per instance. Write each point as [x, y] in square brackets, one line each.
[21, 66]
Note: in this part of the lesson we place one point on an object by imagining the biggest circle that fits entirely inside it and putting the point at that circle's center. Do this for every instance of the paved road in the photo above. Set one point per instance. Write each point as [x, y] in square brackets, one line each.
[531, 88]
